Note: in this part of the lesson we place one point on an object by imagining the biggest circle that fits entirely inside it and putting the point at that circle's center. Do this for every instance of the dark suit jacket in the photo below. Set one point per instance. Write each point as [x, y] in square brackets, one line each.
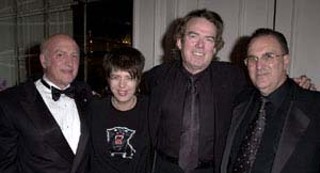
[227, 82]
[30, 139]
[299, 145]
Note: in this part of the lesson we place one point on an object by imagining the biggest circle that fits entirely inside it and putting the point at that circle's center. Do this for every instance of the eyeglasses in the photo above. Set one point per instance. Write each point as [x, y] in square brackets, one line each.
[266, 58]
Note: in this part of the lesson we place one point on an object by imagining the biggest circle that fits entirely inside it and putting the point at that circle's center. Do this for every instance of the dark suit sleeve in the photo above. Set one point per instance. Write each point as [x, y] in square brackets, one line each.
[151, 80]
[148, 81]
[8, 141]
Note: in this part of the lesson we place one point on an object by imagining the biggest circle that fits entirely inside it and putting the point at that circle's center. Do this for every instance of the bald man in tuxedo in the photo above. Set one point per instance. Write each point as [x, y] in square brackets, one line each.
[42, 124]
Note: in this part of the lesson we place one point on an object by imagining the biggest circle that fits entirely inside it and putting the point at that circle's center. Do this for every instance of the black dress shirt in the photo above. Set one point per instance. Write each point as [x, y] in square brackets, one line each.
[170, 126]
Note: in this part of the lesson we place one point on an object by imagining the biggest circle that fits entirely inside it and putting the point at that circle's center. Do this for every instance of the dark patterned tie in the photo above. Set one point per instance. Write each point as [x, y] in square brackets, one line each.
[189, 140]
[56, 93]
[250, 144]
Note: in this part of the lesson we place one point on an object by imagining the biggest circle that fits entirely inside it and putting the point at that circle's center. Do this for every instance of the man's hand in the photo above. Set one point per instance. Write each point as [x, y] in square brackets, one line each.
[305, 82]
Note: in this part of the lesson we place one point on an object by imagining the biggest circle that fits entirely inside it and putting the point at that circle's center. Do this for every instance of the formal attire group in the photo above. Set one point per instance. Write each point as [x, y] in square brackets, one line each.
[50, 135]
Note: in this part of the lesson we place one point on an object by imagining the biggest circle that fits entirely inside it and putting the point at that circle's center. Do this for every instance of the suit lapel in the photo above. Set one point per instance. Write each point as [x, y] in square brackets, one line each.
[84, 138]
[44, 122]
[239, 113]
[83, 97]
[217, 92]
[295, 125]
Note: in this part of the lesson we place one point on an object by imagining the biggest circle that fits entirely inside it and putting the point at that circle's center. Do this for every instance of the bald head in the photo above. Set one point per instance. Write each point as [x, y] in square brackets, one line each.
[53, 39]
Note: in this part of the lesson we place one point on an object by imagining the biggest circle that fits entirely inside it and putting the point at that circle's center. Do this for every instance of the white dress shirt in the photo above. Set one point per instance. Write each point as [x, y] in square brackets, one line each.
[65, 113]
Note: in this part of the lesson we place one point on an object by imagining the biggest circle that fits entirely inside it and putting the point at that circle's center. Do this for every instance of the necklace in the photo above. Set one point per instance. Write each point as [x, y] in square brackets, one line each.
[124, 106]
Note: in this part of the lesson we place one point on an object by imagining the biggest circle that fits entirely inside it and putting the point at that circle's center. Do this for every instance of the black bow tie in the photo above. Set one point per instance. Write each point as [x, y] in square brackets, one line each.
[56, 93]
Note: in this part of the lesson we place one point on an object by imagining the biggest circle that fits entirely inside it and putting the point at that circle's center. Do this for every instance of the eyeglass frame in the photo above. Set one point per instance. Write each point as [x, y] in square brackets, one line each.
[266, 57]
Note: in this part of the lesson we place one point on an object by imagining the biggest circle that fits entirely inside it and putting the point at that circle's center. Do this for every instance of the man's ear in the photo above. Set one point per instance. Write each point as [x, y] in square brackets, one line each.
[214, 51]
[286, 61]
[43, 61]
[178, 43]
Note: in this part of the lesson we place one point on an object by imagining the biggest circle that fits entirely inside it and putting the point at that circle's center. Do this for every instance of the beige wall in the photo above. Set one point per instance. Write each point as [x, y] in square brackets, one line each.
[298, 20]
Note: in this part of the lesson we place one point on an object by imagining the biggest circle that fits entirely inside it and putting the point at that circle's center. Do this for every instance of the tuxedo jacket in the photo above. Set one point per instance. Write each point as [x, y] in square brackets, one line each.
[299, 144]
[30, 139]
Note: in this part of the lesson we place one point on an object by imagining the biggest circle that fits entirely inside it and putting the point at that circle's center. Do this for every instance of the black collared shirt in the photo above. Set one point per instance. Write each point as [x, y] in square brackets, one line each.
[172, 112]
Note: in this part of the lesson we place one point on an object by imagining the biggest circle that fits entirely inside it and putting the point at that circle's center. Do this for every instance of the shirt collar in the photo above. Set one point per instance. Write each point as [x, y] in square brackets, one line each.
[52, 84]
[194, 76]
[278, 96]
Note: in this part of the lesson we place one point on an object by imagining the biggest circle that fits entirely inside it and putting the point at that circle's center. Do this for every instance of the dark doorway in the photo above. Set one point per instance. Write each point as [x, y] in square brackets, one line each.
[99, 26]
